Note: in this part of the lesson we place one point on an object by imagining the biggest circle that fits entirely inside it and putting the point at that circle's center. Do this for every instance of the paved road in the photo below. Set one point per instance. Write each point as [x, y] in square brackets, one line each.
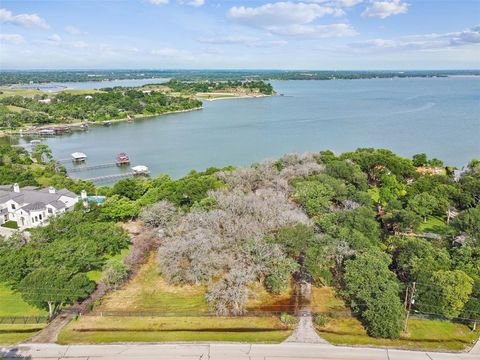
[284, 351]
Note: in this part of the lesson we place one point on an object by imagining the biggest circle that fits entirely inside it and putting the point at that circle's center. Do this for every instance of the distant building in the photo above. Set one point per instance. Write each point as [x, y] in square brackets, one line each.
[459, 173]
[31, 206]
[88, 97]
[45, 101]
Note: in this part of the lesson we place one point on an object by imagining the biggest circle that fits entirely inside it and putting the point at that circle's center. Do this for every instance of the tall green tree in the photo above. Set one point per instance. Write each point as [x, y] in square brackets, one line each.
[51, 288]
[374, 291]
[446, 293]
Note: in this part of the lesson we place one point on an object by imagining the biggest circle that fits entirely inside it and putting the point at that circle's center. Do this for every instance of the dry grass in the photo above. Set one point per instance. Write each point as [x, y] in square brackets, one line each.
[149, 292]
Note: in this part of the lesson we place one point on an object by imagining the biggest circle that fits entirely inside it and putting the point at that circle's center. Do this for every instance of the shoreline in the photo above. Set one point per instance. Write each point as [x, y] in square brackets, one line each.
[5, 133]
[237, 97]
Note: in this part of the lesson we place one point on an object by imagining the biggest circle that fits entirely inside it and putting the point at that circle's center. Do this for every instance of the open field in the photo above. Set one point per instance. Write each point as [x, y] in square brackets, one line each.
[95, 329]
[12, 304]
[434, 224]
[140, 312]
[344, 329]
[15, 333]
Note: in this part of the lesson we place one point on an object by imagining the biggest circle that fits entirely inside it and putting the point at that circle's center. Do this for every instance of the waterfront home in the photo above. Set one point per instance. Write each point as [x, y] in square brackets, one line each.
[31, 206]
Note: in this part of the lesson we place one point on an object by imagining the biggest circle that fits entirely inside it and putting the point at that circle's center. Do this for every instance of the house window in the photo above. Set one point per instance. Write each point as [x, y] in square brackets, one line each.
[40, 216]
[50, 210]
[36, 218]
[13, 207]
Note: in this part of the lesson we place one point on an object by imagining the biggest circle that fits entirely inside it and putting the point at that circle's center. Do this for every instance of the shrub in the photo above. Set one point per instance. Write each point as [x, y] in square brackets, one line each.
[320, 319]
[288, 319]
[115, 273]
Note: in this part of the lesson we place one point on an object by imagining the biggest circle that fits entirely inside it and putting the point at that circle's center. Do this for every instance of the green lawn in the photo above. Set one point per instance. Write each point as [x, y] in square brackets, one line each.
[12, 334]
[11, 304]
[434, 224]
[96, 329]
[343, 328]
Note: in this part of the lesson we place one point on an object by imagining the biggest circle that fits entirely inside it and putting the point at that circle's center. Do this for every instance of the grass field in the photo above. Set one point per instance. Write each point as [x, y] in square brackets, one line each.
[342, 328]
[95, 329]
[12, 334]
[434, 224]
[149, 294]
[11, 304]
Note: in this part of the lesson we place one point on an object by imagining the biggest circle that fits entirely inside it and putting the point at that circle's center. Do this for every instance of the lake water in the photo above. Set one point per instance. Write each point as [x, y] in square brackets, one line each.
[438, 116]
[88, 85]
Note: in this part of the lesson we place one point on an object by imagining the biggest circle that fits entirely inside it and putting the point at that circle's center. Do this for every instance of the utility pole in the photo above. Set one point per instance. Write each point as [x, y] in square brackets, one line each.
[408, 306]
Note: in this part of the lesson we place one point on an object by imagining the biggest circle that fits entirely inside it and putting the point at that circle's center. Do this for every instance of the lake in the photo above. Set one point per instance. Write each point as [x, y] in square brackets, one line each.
[88, 85]
[438, 116]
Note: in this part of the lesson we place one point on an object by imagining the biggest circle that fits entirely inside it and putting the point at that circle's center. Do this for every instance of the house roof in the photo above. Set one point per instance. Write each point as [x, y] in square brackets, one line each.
[34, 206]
[35, 199]
[57, 204]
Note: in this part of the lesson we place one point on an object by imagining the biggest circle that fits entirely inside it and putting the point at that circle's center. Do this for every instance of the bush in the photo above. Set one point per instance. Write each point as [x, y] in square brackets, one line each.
[288, 319]
[320, 319]
[115, 273]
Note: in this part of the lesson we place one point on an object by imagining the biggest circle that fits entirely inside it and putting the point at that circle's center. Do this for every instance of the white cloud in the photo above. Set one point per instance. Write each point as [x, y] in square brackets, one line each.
[280, 14]
[249, 41]
[55, 38]
[337, 3]
[383, 9]
[195, 3]
[12, 38]
[318, 31]
[158, 2]
[422, 42]
[72, 30]
[28, 20]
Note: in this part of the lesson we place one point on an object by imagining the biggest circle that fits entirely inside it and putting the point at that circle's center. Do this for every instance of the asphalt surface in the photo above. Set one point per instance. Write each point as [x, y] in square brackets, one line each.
[285, 351]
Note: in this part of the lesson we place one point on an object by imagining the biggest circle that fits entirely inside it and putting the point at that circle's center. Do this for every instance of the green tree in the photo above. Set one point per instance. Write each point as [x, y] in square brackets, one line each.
[374, 291]
[423, 204]
[118, 208]
[42, 152]
[51, 288]
[419, 159]
[390, 189]
[416, 259]
[469, 222]
[132, 189]
[314, 196]
[445, 294]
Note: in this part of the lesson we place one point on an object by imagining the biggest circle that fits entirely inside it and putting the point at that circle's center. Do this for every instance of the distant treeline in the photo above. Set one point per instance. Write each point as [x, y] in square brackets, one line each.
[26, 77]
[64, 107]
[257, 86]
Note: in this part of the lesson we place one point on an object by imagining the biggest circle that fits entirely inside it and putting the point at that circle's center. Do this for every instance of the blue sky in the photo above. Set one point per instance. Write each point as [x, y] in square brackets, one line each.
[307, 34]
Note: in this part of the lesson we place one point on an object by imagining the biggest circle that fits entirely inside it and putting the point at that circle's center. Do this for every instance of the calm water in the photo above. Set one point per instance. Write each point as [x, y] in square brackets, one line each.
[88, 85]
[439, 116]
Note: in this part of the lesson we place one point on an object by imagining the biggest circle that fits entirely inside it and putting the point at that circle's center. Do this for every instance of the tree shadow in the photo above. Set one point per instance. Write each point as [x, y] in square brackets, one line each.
[13, 353]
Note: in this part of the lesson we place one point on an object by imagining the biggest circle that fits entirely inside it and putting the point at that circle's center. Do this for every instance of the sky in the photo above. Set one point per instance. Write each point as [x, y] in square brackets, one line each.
[243, 34]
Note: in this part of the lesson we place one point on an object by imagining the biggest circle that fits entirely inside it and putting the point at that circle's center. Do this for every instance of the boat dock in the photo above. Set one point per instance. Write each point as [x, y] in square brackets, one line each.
[92, 167]
[107, 178]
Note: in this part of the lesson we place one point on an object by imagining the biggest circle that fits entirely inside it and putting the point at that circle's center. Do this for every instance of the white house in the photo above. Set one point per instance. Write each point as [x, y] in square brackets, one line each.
[30, 206]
